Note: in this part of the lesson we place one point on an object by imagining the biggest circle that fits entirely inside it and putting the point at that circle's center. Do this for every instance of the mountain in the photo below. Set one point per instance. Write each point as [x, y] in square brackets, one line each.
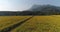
[34, 10]
[34, 7]
[46, 9]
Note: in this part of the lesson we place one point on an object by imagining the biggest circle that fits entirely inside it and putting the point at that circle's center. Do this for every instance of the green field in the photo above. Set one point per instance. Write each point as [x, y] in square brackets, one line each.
[35, 24]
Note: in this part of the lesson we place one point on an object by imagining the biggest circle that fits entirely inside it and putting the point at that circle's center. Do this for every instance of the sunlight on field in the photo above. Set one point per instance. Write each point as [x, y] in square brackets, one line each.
[6, 21]
[40, 24]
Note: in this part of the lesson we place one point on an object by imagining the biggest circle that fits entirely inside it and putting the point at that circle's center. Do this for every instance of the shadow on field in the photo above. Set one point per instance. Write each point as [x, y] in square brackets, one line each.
[8, 29]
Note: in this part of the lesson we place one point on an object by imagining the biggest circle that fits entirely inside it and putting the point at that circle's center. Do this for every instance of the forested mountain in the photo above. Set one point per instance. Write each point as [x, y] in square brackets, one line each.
[35, 10]
[47, 9]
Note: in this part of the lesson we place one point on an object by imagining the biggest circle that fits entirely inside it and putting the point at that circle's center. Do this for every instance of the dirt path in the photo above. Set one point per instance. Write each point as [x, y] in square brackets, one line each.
[8, 29]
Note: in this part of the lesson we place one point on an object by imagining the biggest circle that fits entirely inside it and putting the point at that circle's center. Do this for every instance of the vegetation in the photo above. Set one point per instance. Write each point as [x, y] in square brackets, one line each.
[35, 24]
[6, 21]
[40, 24]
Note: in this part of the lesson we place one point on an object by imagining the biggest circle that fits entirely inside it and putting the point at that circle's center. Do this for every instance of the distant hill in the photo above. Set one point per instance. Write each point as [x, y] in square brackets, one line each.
[35, 10]
[47, 9]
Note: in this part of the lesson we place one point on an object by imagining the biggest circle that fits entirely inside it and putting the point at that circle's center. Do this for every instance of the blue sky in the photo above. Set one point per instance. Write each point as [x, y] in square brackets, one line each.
[15, 5]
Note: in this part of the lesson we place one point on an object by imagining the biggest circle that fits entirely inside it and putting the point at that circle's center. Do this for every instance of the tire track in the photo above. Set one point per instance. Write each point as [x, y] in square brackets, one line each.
[8, 29]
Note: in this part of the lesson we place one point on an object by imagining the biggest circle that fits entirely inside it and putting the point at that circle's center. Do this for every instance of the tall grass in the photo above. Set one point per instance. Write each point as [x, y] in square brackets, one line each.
[40, 24]
[6, 21]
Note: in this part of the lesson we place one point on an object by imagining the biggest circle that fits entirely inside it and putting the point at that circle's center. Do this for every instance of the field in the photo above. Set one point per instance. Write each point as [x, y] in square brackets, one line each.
[34, 24]
[6, 21]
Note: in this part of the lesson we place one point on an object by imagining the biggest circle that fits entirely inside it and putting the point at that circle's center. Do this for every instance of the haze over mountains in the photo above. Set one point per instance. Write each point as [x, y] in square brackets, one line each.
[46, 9]
[35, 10]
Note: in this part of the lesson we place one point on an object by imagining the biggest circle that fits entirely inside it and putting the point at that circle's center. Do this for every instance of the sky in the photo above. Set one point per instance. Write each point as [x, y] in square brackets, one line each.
[20, 5]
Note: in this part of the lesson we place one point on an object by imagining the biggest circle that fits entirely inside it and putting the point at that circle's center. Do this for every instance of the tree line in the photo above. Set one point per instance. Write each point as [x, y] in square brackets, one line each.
[40, 10]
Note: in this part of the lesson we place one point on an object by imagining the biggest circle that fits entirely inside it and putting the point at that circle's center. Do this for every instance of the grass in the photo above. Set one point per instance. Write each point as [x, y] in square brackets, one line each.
[6, 21]
[40, 24]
